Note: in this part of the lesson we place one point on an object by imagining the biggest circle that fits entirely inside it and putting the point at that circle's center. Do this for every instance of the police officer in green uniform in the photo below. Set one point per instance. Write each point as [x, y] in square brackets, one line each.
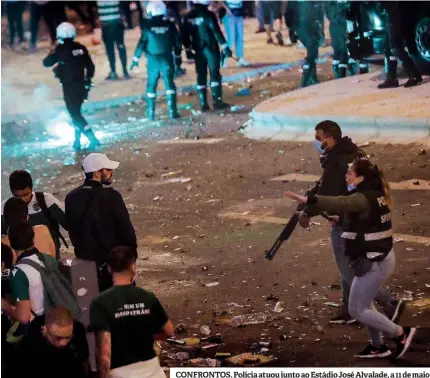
[201, 36]
[311, 34]
[161, 43]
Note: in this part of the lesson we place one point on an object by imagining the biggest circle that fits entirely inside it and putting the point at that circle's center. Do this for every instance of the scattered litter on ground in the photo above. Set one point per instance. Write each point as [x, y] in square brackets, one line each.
[248, 359]
[243, 92]
[205, 362]
[205, 330]
[332, 304]
[278, 307]
[171, 174]
[415, 205]
[180, 328]
[364, 144]
[212, 284]
[176, 341]
[398, 240]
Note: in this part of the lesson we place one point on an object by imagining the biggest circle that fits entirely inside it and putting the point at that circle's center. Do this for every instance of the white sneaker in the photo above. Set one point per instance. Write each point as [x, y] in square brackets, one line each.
[243, 63]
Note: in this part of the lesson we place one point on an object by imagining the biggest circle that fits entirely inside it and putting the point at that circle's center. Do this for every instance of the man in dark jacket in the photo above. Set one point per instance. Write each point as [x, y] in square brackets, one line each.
[159, 41]
[336, 152]
[74, 68]
[201, 36]
[97, 217]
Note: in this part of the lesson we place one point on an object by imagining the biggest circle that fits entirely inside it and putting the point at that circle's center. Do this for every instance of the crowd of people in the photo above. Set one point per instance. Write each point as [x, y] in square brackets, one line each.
[41, 315]
[167, 26]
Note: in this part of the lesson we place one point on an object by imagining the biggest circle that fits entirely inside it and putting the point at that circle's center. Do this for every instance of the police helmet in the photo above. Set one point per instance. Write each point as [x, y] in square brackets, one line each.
[66, 30]
[156, 8]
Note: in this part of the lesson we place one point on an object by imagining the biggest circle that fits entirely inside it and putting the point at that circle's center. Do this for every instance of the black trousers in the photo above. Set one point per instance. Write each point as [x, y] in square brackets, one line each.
[15, 10]
[74, 96]
[271, 11]
[53, 13]
[208, 58]
[113, 35]
[160, 65]
[397, 38]
[77, 7]
[336, 14]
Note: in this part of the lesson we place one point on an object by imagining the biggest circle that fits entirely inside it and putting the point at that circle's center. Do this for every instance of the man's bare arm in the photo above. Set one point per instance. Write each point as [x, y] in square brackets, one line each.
[103, 353]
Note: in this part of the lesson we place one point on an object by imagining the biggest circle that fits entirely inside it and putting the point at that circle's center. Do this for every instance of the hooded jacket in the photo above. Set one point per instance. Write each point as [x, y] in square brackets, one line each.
[335, 165]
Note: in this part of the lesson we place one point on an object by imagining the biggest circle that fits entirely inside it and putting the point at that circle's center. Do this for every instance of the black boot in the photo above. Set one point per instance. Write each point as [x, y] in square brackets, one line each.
[172, 106]
[219, 104]
[279, 38]
[150, 108]
[412, 81]
[306, 76]
[389, 83]
[352, 66]
[314, 77]
[342, 70]
[94, 142]
[77, 142]
[335, 68]
[203, 99]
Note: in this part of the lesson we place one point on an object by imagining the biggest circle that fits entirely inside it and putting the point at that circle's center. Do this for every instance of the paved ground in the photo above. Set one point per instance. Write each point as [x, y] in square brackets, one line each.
[399, 115]
[213, 227]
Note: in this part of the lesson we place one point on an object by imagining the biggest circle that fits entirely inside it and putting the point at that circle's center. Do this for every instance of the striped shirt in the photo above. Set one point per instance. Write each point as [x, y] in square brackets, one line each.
[109, 12]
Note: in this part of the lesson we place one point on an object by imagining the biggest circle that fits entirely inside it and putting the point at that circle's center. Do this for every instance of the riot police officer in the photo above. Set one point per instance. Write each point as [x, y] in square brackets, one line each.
[201, 36]
[159, 41]
[74, 68]
[397, 22]
[311, 34]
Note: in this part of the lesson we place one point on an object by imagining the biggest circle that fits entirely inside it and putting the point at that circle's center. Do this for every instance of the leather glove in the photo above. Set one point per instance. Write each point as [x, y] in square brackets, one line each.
[227, 52]
[134, 64]
[190, 55]
[178, 61]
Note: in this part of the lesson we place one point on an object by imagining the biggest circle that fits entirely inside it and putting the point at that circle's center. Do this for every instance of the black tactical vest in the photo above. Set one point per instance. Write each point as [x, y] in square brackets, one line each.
[371, 237]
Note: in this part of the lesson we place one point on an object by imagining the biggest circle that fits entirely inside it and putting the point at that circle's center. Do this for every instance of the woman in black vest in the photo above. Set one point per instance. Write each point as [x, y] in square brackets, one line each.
[369, 246]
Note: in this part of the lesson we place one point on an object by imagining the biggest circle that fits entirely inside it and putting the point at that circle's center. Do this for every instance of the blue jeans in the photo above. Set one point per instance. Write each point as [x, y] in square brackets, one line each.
[382, 297]
[234, 29]
[260, 17]
[364, 290]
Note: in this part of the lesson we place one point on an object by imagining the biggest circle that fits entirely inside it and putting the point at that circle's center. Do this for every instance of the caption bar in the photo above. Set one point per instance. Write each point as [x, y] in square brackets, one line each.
[299, 373]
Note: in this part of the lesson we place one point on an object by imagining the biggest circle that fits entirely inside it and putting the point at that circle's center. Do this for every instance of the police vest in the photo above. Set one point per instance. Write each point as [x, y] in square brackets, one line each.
[371, 237]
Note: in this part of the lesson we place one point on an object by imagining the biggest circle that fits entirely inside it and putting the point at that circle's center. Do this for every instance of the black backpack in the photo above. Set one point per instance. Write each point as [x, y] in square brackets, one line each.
[53, 224]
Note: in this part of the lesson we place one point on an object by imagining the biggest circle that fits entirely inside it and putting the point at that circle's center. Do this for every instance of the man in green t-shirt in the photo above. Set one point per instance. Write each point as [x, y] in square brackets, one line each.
[127, 319]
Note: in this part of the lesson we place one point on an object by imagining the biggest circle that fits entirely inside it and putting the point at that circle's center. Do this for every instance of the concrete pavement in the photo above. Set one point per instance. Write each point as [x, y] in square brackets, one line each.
[364, 112]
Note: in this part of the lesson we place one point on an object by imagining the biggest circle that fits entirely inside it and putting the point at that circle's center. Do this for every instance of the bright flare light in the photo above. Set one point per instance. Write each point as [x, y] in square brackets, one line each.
[64, 132]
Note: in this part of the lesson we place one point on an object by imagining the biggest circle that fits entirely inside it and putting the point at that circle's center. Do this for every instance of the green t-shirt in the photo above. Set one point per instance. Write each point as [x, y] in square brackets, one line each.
[132, 316]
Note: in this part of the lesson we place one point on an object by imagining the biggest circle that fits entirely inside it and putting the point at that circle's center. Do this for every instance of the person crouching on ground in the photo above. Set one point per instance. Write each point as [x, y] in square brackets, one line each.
[369, 246]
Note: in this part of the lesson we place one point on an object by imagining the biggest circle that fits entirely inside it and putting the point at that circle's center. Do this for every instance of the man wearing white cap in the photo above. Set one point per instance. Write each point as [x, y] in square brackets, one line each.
[97, 217]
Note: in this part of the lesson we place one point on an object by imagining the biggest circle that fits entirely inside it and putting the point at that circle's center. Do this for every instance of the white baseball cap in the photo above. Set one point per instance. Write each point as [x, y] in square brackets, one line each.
[96, 161]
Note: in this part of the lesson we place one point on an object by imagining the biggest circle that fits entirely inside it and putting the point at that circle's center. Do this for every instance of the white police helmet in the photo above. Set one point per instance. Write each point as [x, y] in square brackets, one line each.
[66, 30]
[156, 8]
[202, 2]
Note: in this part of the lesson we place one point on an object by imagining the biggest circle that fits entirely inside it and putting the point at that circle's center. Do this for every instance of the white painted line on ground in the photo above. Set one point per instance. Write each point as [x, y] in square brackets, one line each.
[257, 217]
[413, 184]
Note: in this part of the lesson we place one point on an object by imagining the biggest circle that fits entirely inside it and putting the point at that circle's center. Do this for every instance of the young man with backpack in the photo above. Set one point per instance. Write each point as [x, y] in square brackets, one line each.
[36, 281]
[43, 208]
